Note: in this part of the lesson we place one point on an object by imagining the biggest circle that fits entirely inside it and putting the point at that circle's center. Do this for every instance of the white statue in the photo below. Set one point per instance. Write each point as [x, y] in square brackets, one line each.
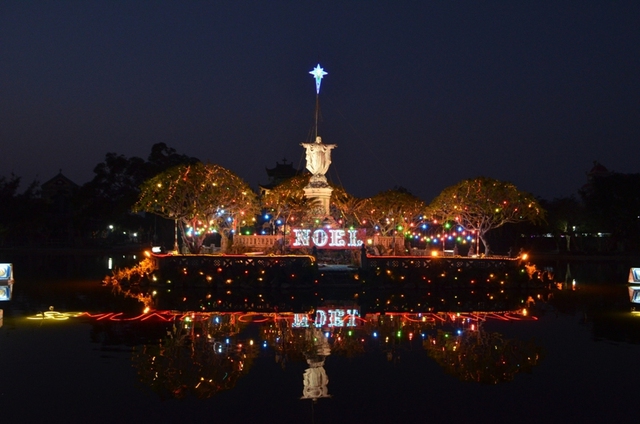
[315, 379]
[318, 157]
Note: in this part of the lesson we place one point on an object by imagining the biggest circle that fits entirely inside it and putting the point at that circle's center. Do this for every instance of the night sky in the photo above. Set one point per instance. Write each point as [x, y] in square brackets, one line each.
[419, 94]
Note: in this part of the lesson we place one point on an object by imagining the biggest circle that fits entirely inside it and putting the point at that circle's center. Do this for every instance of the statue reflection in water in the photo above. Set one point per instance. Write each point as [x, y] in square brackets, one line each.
[315, 378]
[203, 353]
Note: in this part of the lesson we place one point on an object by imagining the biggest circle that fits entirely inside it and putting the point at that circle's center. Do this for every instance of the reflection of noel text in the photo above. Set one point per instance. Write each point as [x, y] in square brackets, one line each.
[327, 318]
[326, 237]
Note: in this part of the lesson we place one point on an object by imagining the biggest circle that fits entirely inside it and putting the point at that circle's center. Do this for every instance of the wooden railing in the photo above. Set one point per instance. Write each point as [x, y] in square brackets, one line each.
[265, 241]
[257, 241]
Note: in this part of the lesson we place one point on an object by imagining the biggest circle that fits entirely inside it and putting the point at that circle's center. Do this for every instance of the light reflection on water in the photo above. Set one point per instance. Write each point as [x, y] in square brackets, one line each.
[396, 360]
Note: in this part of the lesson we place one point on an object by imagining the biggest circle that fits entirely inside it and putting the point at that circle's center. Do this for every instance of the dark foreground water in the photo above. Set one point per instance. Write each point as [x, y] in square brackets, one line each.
[379, 356]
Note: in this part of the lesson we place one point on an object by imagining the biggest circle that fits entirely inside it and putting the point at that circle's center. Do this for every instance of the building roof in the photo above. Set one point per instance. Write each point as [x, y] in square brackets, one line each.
[281, 172]
[59, 185]
[598, 170]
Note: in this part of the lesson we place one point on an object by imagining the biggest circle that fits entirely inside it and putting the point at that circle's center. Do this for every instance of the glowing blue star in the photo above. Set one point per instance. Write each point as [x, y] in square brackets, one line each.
[318, 73]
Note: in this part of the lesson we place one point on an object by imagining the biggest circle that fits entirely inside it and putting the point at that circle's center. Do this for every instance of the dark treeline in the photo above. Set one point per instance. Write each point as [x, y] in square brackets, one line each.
[602, 217]
[59, 213]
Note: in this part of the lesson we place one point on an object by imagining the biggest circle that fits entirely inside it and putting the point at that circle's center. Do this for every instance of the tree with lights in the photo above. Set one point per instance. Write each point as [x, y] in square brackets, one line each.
[482, 204]
[287, 203]
[392, 212]
[201, 198]
[348, 207]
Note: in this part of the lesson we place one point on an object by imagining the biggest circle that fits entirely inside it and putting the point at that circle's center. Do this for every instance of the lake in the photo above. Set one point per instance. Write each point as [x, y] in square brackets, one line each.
[73, 350]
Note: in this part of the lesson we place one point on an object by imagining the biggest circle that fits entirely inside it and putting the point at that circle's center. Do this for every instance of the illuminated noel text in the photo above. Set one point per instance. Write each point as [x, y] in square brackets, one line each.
[328, 238]
[327, 318]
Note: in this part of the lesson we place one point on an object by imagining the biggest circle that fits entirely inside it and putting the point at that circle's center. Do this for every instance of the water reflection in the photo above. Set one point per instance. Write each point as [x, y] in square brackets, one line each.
[200, 342]
[204, 353]
[315, 378]
[213, 335]
[195, 344]
[196, 357]
[483, 357]
[436, 299]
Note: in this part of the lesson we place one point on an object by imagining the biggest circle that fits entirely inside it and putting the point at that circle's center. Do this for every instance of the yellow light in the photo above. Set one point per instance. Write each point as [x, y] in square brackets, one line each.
[54, 315]
[434, 253]
[147, 253]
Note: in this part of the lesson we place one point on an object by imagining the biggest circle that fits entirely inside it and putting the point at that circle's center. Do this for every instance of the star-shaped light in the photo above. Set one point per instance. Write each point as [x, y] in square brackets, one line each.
[318, 73]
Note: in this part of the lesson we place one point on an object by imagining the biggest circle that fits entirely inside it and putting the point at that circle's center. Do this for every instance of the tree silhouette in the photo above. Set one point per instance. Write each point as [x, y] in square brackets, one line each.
[611, 205]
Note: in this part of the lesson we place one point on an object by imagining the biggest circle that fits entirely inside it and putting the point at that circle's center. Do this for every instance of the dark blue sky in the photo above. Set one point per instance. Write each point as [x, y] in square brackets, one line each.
[420, 94]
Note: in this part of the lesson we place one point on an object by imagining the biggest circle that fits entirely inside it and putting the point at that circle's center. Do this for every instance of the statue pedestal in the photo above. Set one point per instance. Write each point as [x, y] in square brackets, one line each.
[323, 196]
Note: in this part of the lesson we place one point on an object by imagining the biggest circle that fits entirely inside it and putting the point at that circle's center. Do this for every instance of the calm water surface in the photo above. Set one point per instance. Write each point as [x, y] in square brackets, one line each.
[409, 356]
